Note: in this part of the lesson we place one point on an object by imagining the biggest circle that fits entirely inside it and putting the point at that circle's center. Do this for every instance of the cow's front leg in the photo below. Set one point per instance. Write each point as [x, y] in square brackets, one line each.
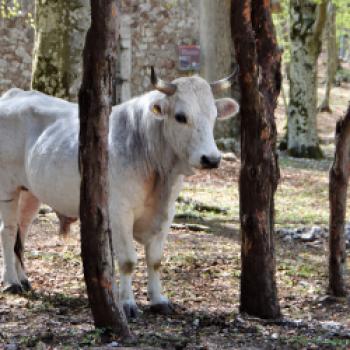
[8, 210]
[154, 253]
[126, 254]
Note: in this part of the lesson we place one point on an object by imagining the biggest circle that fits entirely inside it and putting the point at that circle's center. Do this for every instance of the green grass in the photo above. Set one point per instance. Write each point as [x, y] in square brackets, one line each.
[298, 341]
[301, 198]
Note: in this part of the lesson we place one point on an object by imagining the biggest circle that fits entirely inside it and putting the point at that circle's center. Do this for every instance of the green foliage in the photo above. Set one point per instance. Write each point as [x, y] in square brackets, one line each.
[12, 8]
[342, 76]
[9, 9]
[281, 22]
[343, 16]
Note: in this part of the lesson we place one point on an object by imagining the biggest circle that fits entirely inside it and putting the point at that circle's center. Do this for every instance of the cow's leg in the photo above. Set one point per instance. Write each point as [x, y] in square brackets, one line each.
[27, 210]
[154, 253]
[124, 248]
[65, 224]
[8, 210]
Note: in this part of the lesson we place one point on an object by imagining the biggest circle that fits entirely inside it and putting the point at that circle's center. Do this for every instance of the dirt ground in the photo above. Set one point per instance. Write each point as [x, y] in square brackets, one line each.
[201, 272]
[201, 276]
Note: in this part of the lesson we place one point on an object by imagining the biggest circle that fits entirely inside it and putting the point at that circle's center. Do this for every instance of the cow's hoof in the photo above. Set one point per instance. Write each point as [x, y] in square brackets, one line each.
[131, 310]
[26, 285]
[13, 289]
[166, 308]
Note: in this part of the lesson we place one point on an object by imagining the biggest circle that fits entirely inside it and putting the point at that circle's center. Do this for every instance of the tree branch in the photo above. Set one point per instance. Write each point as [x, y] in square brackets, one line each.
[320, 19]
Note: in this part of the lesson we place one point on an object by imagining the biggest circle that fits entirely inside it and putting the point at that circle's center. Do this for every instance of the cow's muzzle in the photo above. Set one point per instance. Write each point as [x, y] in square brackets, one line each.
[210, 162]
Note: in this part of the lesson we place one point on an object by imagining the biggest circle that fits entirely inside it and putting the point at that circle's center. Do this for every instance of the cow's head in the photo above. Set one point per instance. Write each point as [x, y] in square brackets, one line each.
[189, 111]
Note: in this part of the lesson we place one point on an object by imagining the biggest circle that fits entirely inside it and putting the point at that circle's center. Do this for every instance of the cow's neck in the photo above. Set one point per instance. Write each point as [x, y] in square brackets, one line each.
[140, 141]
[162, 158]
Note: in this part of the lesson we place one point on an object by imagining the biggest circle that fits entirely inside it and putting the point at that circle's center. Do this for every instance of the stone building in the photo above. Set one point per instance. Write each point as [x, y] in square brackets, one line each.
[151, 33]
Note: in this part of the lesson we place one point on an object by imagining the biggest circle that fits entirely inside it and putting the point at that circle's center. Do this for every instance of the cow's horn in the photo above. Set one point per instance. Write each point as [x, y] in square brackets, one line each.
[224, 83]
[161, 85]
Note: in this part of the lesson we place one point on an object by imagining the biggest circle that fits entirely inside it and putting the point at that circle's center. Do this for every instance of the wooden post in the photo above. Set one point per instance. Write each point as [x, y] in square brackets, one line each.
[338, 186]
[95, 96]
[260, 80]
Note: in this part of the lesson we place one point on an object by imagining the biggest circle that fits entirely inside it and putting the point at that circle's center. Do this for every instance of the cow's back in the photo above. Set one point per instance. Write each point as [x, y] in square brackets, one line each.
[24, 115]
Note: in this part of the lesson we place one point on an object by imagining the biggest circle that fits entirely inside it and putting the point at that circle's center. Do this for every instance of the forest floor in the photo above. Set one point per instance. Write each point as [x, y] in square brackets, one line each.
[201, 272]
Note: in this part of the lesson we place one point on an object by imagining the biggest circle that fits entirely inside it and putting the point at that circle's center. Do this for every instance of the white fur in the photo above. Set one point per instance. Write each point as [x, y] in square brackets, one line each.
[148, 154]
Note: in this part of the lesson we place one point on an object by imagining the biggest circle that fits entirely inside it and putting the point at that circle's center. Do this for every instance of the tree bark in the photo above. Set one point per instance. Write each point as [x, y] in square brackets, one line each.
[217, 54]
[60, 28]
[338, 185]
[95, 98]
[260, 80]
[332, 55]
[307, 22]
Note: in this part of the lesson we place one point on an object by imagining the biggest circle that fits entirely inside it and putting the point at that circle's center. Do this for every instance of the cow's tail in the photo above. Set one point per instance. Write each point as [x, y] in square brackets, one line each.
[19, 247]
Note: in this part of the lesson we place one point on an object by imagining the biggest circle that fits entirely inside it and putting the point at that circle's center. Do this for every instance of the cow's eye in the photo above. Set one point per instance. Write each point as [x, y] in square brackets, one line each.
[181, 118]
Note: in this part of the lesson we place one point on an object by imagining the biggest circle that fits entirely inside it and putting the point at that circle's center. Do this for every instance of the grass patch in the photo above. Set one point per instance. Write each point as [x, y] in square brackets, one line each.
[301, 198]
[299, 341]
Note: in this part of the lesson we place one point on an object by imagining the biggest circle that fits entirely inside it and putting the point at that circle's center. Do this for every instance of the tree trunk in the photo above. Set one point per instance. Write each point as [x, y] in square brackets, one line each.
[307, 21]
[95, 97]
[332, 55]
[338, 185]
[260, 80]
[217, 53]
[60, 28]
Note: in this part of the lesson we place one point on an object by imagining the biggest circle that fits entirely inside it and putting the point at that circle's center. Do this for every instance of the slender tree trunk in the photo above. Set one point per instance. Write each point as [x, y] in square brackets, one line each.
[307, 21]
[95, 98]
[60, 28]
[217, 54]
[338, 186]
[332, 55]
[260, 81]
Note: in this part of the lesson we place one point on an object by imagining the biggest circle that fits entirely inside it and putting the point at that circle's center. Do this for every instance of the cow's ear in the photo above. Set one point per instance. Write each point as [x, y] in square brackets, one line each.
[159, 108]
[227, 108]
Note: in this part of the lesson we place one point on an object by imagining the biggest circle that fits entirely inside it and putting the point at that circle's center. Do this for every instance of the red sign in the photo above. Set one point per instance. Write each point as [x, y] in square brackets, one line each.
[189, 57]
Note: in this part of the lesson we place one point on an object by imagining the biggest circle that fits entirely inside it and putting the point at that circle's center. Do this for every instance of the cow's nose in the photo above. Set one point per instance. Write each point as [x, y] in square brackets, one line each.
[209, 162]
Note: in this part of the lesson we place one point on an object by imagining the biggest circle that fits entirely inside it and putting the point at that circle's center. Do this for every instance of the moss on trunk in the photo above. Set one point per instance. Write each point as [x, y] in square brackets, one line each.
[306, 152]
[60, 28]
[307, 21]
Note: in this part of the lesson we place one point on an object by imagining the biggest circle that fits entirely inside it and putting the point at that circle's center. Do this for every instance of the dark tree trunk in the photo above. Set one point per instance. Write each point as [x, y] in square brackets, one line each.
[338, 185]
[95, 96]
[260, 79]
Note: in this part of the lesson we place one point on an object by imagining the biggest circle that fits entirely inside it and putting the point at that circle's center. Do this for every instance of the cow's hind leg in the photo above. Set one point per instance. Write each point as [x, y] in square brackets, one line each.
[154, 253]
[127, 259]
[27, 210]
[8, 211]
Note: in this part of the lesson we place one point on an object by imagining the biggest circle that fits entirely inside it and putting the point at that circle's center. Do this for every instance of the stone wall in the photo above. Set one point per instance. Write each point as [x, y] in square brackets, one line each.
[157, 28]
[152, 30]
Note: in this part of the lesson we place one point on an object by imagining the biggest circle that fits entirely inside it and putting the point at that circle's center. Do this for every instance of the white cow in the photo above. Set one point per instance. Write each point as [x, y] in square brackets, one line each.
[154, 140]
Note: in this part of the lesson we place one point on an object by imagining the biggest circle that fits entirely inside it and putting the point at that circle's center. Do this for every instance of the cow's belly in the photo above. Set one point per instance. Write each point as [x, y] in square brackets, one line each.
[52, 169]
